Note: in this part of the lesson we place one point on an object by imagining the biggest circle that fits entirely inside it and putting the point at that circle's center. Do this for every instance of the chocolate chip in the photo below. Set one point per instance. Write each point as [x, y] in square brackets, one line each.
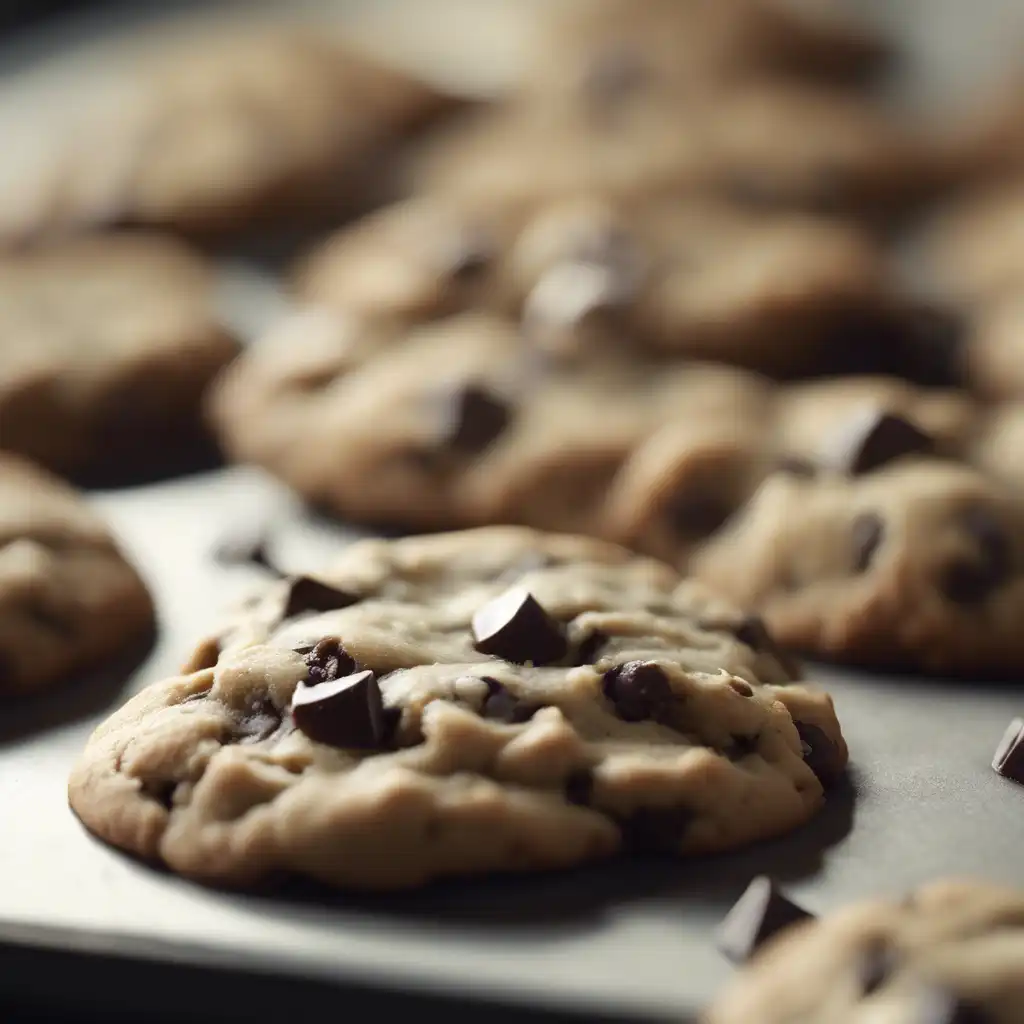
[972, 580]
[866, 533]
[345, 712]
[579, 787]
[392, 718]
[938, 1005]
[639, 690]
[742, 688]
[588, 648]
[697, 515]
[328, 661]
[516, 627]
[871, 439]
[743, 746]
[758, 915]
[472, 418]
[820, 753]
[306, 594]
[1009, 757]
[656, 829]
[502, 706]
[876, 967]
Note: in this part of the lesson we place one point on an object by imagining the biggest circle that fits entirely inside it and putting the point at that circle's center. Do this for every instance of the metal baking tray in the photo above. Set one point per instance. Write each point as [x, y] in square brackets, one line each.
[626, 941]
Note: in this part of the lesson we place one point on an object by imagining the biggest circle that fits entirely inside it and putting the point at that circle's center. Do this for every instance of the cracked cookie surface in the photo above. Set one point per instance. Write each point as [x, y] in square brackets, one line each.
[68, 599]
[951, 951]
[620, 707]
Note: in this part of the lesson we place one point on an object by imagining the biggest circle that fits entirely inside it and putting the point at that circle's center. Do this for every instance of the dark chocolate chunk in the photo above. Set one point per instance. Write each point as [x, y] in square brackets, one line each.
[873, 438]
[656, 829]
[758, 915]
[876, 967]
[1009, 757]
[938, 1005]
[743, 746]
[392, 719]
[328, 661]
[472, 419]
[971, 580]
[588, 648]
[306, 594]
[742, 688]
[820, 753]
[516, 627]
[579, 787]
[695, 514]
[866, 534]
[502, 706]
[345, 712]
[639, 690]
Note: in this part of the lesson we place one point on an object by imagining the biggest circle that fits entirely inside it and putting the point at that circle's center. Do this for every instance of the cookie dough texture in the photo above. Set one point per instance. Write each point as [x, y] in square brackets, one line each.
[211, 133]
[208, 773]
[109, 342]
[953, 950]
[699, 278]
[915, 565]
[68, 599]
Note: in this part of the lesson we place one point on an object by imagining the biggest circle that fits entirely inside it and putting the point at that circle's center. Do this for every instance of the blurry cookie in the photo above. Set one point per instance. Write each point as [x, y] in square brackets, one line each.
[68, 599]
[494, 700]
[952, 951]
[214, 133]
[109, 343]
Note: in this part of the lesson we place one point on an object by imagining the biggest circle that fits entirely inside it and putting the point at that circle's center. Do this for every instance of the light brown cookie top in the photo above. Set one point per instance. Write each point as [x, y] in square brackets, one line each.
[68, 599]
[916, 564]
[494, 700]
[701, 278]
[952, 951]
[767, 143]
[213, 133]
[612, 51]
[109, 343]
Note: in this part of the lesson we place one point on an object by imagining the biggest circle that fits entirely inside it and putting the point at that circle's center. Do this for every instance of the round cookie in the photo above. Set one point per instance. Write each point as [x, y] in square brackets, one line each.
[68, 599]
[952, 951]
[494, 700]
[915, 565]
[109, 343]
[213, 133]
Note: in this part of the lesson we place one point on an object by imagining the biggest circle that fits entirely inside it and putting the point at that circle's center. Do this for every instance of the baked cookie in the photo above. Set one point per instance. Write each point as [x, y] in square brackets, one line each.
[616, 50]
[890, 562]
[778, 292]
[214, 133]
[765, 143]
[68, 599]
[109, 342]
[952, 952]
[493, 700]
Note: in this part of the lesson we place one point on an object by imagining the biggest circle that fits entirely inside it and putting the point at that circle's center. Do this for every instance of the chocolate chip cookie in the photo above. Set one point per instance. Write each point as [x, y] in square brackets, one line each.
[213, 133]
[953, 951]
[68, 599]
[904, 562]
[109, 342]
[494, 700]
[776, 292]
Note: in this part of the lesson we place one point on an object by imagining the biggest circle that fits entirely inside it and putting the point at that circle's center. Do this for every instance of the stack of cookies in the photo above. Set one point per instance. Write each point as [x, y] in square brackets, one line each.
[688, 357]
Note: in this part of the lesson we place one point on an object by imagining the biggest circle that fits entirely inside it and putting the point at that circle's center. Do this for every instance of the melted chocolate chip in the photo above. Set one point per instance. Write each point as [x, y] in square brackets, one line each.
[472, 418]
[760, 913]
[656, 829]
[327, 661]
[866, 534]
[345, 712]
[639, 690]
[876, 966]
[502, 706]
[971, 581]
[872, 439]
[309, 595]
[579, 787]
[820, 753]
[1009, 756]
[516, 627]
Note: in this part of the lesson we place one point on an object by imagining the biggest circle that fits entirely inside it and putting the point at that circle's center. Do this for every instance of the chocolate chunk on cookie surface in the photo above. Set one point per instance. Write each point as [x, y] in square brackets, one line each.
[375, 745]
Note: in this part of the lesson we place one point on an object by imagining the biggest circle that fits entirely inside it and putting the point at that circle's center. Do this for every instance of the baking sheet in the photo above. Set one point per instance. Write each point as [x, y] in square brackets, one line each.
[629, 938]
